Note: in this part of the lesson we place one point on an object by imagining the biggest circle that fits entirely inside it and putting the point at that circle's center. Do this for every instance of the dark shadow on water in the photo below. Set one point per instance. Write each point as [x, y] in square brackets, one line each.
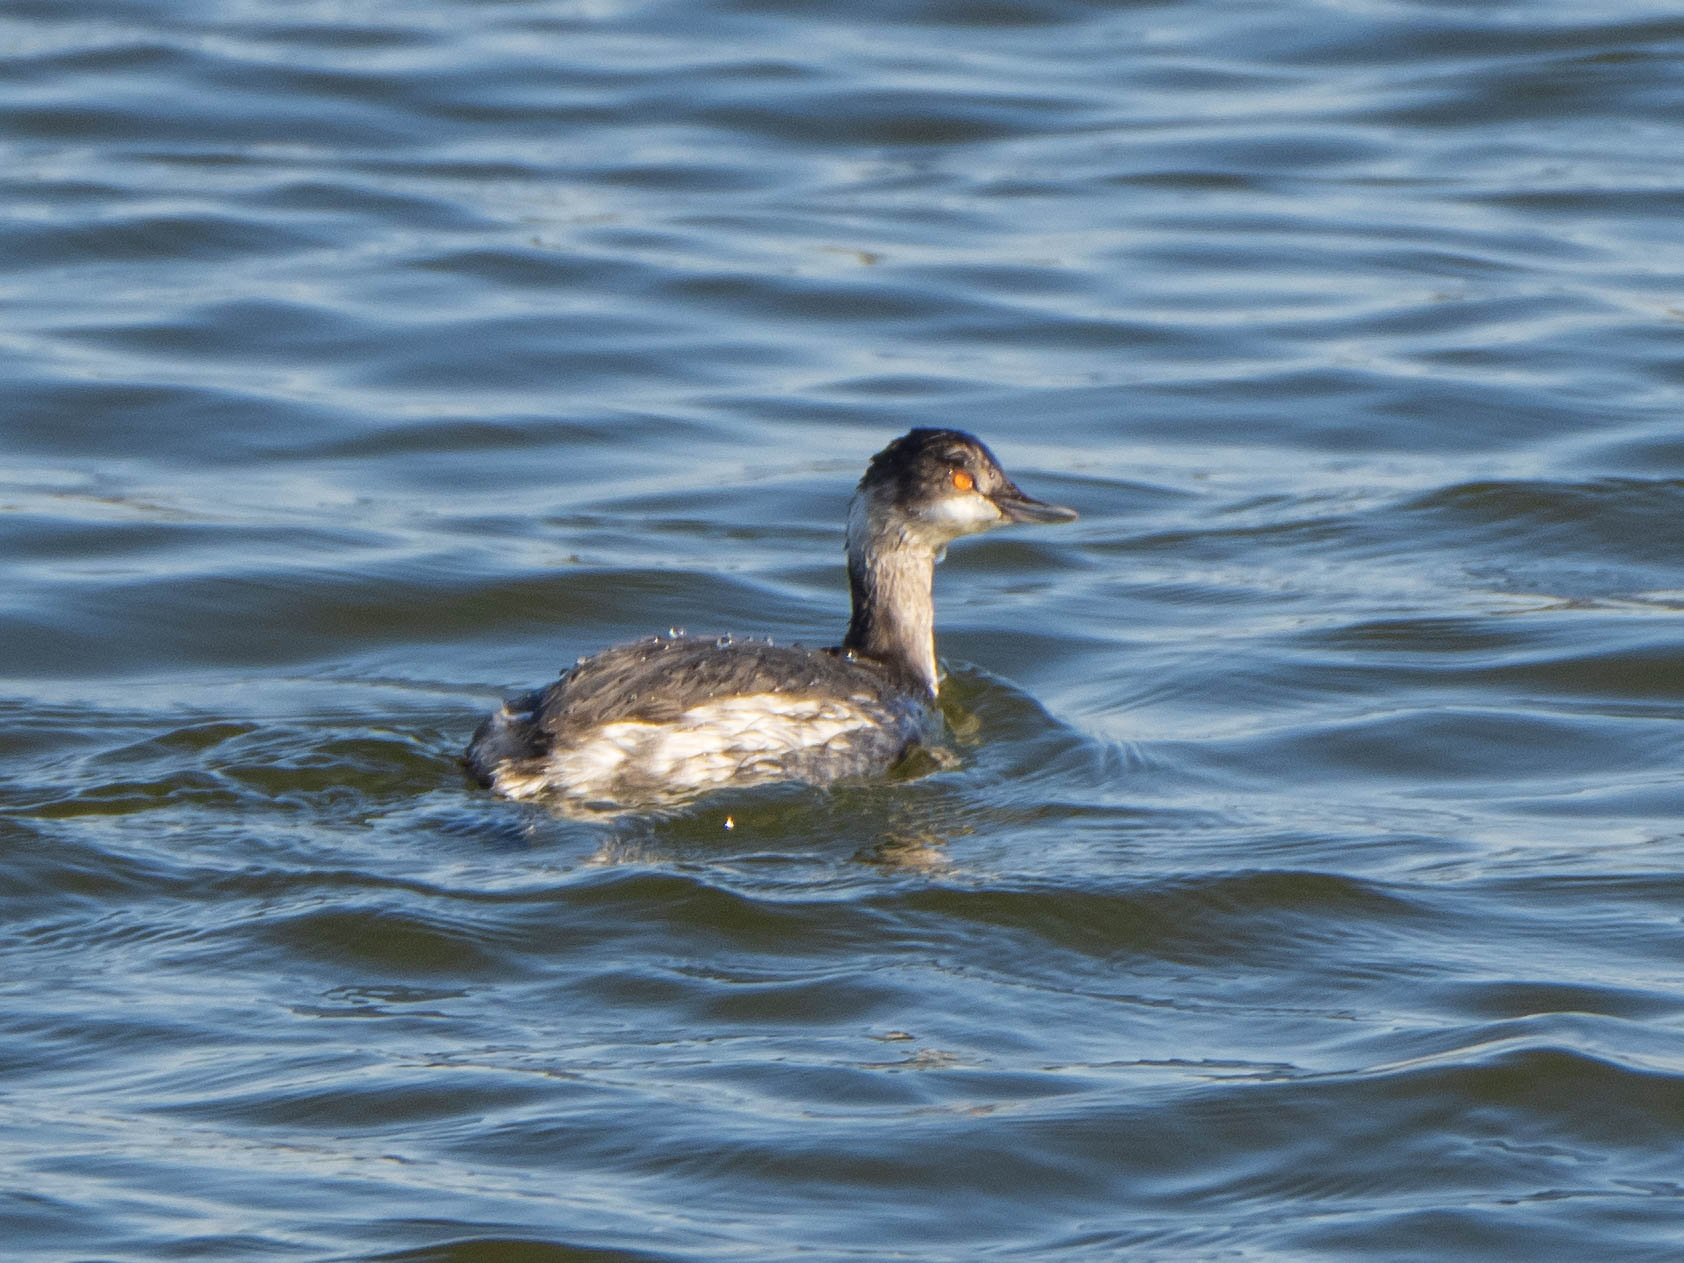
[496, 1250]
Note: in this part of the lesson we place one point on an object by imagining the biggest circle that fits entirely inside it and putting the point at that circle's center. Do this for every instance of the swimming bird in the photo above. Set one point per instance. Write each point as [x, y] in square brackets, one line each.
[656, 722]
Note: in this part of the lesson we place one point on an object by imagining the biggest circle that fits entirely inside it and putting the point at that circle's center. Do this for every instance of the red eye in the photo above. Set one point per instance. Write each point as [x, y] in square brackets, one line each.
[962, 481]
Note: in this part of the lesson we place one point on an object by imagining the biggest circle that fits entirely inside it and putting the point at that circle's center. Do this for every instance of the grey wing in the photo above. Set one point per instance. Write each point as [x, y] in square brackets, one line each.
[657, 680]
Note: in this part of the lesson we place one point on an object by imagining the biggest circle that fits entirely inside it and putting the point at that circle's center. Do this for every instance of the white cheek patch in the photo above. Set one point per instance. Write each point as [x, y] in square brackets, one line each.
[967, 513]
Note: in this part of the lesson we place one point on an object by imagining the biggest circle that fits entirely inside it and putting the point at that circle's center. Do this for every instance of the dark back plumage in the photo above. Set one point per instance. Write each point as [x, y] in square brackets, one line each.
[656, 680]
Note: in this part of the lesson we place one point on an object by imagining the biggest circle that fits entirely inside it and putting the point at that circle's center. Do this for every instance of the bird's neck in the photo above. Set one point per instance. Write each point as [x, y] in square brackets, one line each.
[890, 576]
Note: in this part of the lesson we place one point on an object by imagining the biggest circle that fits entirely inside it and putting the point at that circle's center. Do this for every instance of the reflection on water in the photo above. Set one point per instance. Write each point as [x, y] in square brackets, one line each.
[1303, 879]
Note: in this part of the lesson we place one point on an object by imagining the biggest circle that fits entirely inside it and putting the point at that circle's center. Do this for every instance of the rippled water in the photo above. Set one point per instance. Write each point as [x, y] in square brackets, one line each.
[1313, 882]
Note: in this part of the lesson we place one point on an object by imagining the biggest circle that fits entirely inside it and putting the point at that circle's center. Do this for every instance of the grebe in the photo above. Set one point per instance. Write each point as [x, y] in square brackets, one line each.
[656, 722]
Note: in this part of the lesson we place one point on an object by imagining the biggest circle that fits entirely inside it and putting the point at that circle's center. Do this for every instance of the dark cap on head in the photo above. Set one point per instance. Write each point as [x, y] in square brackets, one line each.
[926, 465]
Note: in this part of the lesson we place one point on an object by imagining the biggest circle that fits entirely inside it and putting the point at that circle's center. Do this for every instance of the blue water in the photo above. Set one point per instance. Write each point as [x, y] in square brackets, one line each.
[1311, 883]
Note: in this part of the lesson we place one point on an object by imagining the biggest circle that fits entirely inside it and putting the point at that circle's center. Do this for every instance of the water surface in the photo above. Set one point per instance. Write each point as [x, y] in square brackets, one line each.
[1310, 883]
